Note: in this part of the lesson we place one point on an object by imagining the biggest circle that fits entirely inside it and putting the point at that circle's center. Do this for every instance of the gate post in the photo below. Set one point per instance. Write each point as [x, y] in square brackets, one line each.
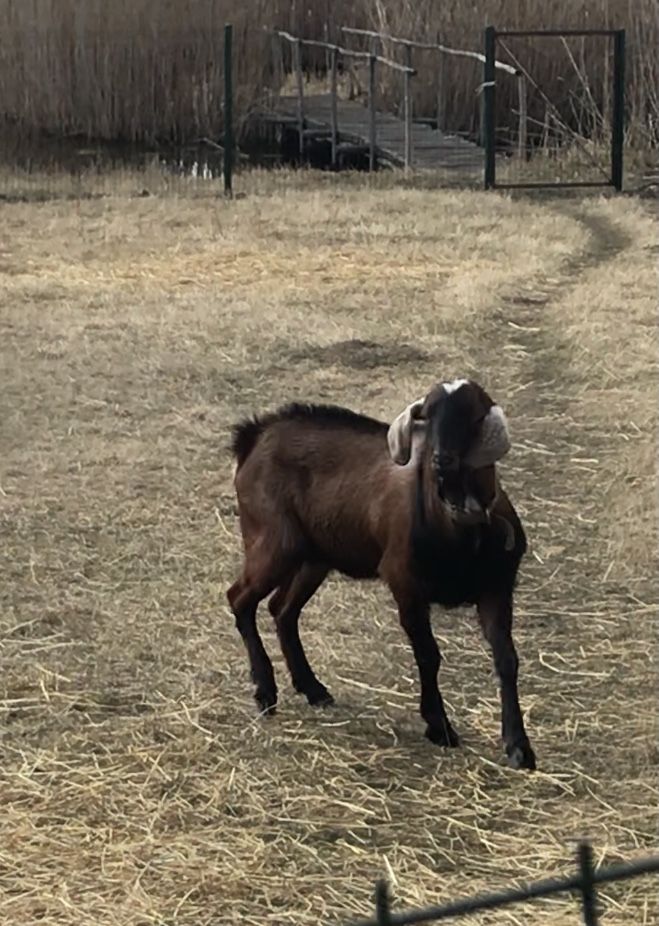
[587, 884]
[372, 119]
[228, 108]
[382, 908]
[489, 100]
[334, 54]
[618, 113]
[299, 80]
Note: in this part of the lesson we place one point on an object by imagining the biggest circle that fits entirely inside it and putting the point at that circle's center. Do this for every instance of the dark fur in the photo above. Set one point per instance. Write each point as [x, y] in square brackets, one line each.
[476, 561]
[317, 491]
[247, 432]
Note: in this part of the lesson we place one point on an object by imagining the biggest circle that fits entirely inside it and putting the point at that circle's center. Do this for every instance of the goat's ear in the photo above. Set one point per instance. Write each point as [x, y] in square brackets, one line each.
[399, 436]
[493, 441]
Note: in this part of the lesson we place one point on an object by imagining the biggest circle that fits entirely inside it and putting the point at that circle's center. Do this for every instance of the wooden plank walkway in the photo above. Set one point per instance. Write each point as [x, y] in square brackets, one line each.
[431, 149]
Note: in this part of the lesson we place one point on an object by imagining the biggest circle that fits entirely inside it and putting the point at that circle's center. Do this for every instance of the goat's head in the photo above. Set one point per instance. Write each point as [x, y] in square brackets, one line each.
[464, 433]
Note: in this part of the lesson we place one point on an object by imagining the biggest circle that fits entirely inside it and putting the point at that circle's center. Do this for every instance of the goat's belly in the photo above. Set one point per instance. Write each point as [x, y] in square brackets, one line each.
[356, 559]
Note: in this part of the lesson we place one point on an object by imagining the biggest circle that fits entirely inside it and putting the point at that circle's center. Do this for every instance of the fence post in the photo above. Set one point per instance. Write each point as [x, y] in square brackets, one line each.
[327, 50]
[618, 114]
[371, 106]
[407, 107]
[408, 121]
[522, 130]
[300, 94]
[334, 105]
[585, 854]
[440, 85]
[382, 908]
[228, 109]
[489, 100]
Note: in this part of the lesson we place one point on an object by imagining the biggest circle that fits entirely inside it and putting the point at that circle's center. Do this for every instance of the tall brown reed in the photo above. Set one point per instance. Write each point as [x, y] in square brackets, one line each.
[130, 69]
[574, 76]
[152, 69]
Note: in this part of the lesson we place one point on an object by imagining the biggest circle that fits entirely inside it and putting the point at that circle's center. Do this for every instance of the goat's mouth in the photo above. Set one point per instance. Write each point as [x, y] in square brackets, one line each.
[461, 503]
[470, 512]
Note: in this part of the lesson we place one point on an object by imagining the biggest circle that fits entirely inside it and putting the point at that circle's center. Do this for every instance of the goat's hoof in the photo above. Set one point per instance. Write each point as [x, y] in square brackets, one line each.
[266, 701]
[320, 697]
[521, 756]
[443, 736]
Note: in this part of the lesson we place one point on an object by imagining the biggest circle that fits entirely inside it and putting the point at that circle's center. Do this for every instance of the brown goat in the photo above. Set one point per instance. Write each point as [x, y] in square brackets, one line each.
[321, 488]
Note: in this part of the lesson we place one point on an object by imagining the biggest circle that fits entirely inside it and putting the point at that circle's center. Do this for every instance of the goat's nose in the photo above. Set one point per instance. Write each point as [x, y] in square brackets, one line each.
[447, 462]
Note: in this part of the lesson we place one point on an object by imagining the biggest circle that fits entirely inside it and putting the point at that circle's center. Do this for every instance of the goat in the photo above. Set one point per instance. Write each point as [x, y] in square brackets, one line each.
[417, 504]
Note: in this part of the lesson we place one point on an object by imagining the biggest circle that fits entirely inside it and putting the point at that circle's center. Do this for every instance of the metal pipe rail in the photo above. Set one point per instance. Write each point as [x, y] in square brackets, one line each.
[584, 882]
[347, 52]
[429, 46]
[410, 44]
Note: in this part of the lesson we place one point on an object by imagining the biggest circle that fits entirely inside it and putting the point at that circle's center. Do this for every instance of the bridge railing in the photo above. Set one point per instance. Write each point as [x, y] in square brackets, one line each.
[334, 53]
[380, 38]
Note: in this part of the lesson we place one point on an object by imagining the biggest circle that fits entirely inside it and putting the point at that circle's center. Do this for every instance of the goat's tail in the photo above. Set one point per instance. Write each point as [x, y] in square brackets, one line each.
[244, 437]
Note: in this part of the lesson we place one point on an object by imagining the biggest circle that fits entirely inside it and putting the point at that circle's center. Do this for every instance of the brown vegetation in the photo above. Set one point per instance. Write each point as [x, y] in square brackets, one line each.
[130, 69]
[140, 69]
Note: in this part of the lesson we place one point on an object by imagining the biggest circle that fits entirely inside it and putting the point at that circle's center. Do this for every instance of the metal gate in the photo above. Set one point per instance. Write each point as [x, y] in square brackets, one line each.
[584, 123]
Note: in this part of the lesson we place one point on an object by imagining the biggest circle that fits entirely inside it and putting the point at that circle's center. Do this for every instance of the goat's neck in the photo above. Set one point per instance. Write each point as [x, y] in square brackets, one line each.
[433, 511]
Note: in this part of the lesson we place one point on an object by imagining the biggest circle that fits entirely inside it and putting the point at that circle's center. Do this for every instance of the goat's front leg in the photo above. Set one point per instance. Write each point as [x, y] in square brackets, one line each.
[415, 621]
[495, 612]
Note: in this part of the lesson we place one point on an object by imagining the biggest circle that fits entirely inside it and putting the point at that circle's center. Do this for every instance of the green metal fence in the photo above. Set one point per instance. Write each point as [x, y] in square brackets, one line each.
[583, 883]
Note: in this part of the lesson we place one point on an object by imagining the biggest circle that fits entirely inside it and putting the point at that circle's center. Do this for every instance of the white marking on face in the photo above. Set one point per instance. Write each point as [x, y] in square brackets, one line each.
[455, 385]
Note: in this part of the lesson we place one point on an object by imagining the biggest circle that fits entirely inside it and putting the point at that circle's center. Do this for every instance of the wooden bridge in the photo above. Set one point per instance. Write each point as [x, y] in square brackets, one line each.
[430, 147]
[349, 128]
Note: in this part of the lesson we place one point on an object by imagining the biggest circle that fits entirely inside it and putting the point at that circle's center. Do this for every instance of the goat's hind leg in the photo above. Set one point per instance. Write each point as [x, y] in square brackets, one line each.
[262, 573]
[285, 606]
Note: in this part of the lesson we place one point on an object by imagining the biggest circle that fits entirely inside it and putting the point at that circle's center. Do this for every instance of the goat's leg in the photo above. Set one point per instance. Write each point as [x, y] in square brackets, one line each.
[415, 621]
[495, 613]
[260, 576]
[285, 606]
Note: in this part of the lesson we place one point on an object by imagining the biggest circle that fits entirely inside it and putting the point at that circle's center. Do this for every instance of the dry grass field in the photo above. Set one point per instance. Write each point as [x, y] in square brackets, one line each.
[137, 784]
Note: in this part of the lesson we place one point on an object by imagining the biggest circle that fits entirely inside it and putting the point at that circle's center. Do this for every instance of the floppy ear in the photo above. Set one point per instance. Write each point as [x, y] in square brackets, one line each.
[401, 431]
[494, 440]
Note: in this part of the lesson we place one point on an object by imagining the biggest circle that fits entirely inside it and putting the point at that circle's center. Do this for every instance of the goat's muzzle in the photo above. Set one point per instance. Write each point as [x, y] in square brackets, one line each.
[445, 464]
[458, 490]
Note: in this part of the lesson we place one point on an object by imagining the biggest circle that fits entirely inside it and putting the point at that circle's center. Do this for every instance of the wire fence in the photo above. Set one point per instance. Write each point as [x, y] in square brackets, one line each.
[583, 883]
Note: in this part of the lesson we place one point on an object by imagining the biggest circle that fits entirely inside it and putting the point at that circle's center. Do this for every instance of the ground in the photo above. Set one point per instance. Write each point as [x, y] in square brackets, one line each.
[138, 786]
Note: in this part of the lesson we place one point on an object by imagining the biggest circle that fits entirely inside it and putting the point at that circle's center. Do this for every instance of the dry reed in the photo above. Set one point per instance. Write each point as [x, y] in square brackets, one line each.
[144, 70]
[574, 75]
[129, 70]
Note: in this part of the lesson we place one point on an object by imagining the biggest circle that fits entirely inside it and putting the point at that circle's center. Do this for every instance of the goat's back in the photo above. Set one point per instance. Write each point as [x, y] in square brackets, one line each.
[321, 477]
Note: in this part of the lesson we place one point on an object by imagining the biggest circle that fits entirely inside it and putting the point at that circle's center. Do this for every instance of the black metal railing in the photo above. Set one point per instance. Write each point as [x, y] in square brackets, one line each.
[584, 883]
